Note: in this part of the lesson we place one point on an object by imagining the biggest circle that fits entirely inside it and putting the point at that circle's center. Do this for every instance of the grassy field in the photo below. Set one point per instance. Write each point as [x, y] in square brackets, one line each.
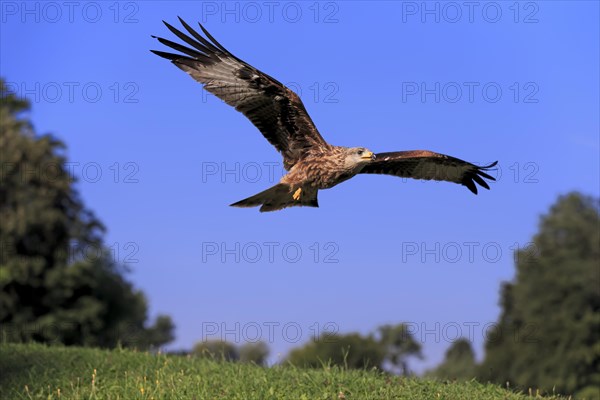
[40, 372]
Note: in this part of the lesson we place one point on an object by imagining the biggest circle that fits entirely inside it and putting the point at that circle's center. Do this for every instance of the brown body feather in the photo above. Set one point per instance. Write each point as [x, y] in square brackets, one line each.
[323, 170]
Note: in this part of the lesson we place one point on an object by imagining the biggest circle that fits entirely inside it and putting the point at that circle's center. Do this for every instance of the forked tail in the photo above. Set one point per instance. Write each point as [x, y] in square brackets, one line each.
[279, 197]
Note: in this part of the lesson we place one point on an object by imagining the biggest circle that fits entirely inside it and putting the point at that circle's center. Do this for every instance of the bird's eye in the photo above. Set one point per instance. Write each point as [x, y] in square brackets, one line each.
[360, 152]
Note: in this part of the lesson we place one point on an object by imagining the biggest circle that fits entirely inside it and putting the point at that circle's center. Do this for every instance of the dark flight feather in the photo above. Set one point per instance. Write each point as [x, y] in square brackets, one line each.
[423, 164]
[274, 109]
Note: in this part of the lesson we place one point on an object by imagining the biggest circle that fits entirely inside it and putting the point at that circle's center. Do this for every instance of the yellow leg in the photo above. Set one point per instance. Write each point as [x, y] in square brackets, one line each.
[296, 195]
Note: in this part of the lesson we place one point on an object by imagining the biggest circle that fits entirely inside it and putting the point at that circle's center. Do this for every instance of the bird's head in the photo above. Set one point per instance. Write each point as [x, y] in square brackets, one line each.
[358, 156]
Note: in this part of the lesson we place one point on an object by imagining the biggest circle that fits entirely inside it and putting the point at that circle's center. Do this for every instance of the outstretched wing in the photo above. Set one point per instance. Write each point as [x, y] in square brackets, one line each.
[273, 108]
[423, 164]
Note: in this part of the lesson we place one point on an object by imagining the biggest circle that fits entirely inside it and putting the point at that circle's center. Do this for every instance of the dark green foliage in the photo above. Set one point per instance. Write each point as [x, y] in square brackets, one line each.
[548, 336]
[256, 353]
[221, 350]
[49, 291]
[216, 350]
[388, 350]
[398, 345]
[161, 332]
[459, 363]
[349, 351]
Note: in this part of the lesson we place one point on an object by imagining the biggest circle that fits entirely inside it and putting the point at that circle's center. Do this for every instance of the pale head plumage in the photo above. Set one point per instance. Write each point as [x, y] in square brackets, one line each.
[357, 157]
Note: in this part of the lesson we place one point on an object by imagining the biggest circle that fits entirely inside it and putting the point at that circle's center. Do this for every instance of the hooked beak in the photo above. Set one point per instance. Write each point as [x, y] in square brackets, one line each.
[368, 155]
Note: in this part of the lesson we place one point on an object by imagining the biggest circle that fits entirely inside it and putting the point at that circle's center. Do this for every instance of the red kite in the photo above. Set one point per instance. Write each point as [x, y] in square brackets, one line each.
[279, 114]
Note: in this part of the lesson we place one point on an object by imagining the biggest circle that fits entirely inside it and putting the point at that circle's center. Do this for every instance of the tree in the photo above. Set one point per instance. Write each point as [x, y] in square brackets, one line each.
[349, 351]
[459, 362]
[161, 332]
[548, 333]
[216, 350]
[223, 350]
[398, 344]
[49, 290]
[256, 353]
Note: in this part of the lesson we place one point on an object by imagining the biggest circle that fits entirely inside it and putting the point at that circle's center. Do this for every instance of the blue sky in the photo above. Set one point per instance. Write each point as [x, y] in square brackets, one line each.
[159, 160]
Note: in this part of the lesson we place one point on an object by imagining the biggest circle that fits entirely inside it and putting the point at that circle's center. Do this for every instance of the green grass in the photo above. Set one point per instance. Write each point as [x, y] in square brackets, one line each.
[40, 372]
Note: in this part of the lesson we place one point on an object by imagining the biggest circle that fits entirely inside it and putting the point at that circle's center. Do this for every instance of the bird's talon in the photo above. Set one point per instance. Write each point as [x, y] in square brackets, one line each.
[296, 195]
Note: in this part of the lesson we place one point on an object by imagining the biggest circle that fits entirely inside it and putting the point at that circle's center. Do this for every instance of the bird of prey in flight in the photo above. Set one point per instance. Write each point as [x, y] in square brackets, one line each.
[311, 163]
